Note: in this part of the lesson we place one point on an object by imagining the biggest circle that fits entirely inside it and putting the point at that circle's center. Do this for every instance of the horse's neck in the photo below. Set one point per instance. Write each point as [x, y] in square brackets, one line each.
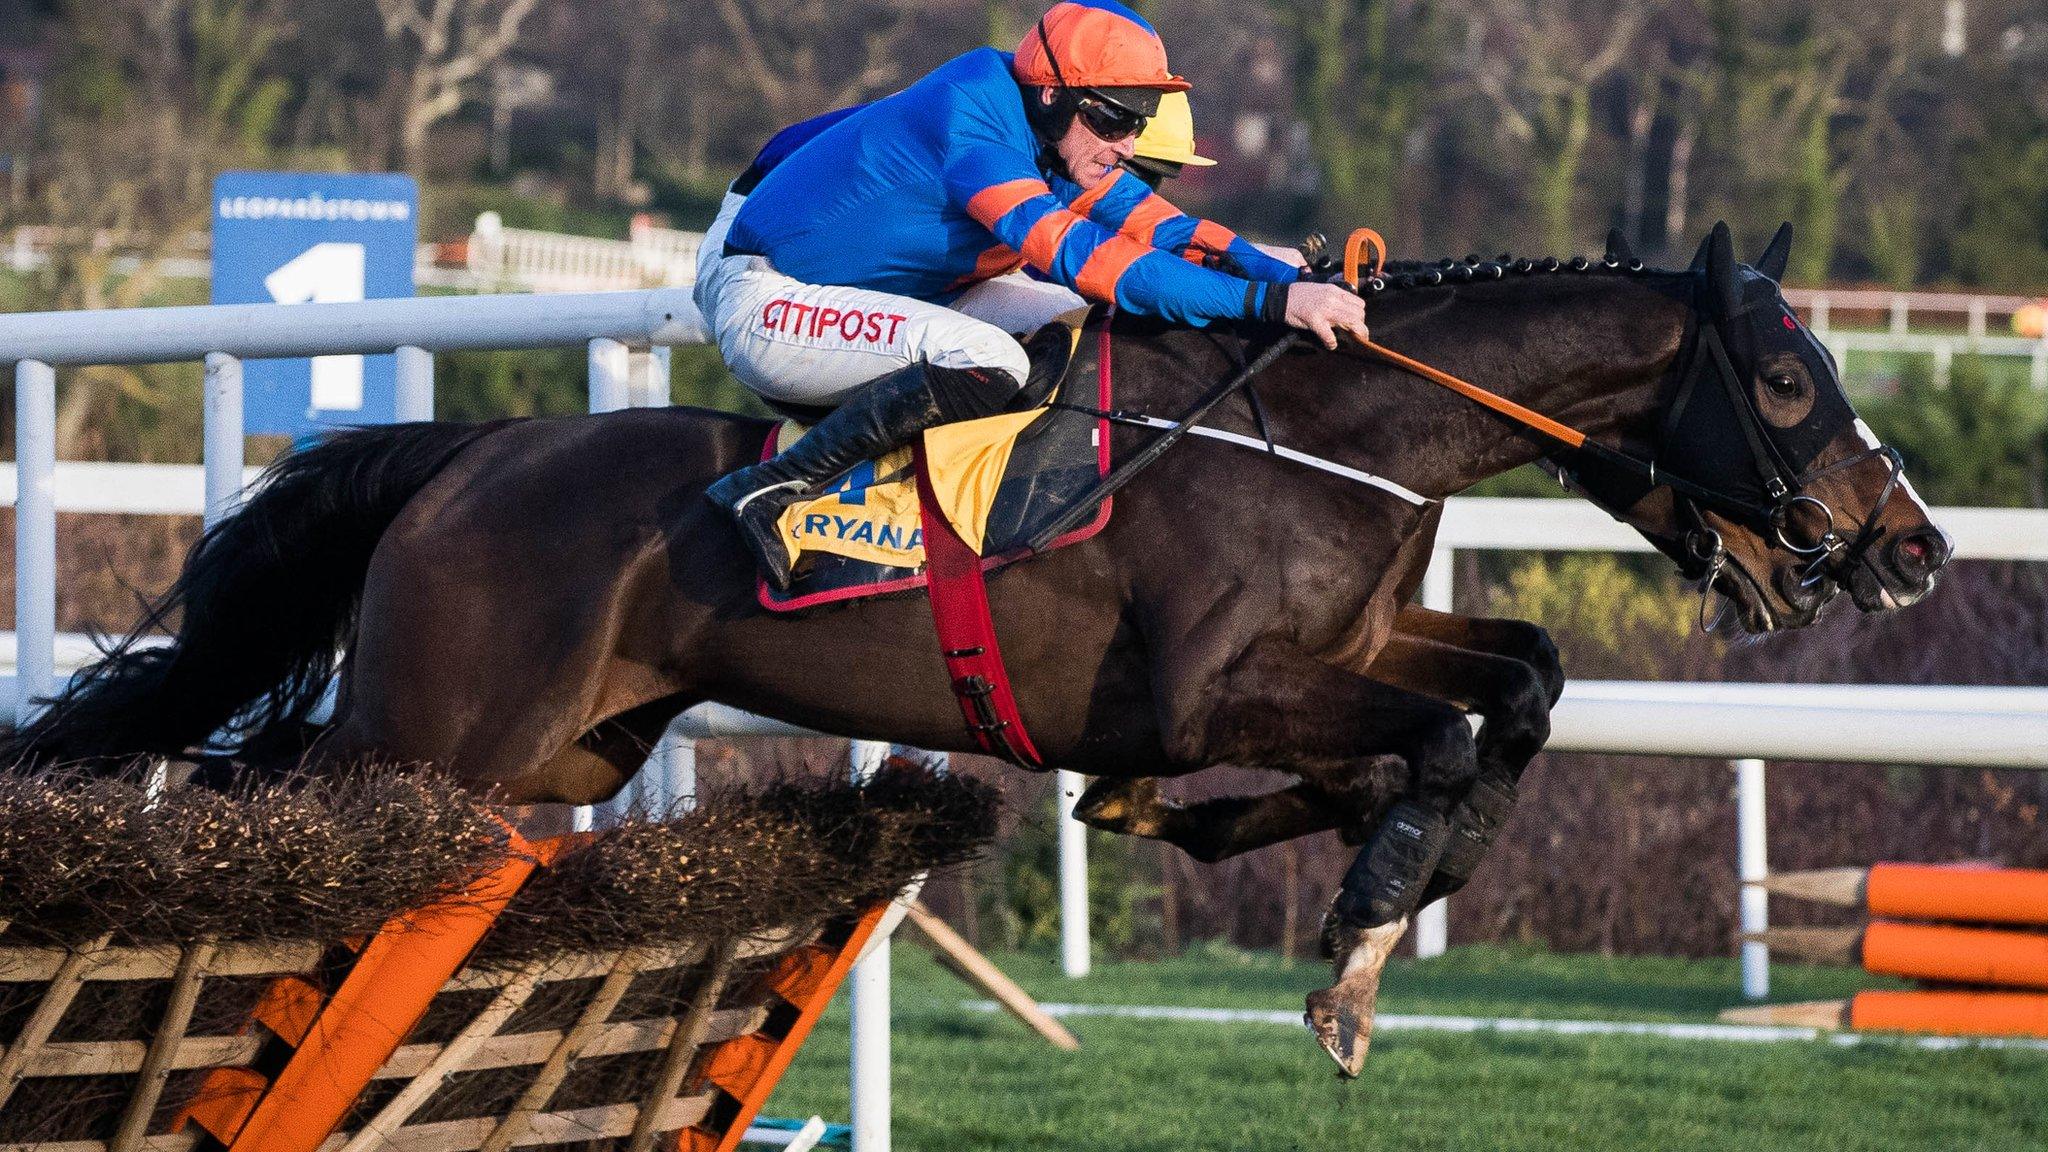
[1589, 351]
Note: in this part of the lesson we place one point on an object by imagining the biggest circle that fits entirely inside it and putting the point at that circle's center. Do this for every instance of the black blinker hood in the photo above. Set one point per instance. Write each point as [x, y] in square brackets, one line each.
[1713, 434]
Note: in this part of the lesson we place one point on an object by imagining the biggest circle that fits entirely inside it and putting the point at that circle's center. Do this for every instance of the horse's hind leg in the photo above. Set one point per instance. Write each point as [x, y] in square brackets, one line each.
[1225, 826]
[520, 752]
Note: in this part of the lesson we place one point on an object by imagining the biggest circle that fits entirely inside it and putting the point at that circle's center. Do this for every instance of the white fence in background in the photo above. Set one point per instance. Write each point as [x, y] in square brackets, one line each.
[1926, 724]
[493, 258]
[523, 259]
[627, 334]
[1976, 311]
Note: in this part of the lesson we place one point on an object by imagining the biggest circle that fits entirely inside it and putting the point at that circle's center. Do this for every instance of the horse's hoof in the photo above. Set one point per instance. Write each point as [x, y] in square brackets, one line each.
[1342, 1026]
[1119, 809]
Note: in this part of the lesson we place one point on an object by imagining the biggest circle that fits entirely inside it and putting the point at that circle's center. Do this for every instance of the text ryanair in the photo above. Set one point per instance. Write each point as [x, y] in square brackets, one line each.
[858, 530]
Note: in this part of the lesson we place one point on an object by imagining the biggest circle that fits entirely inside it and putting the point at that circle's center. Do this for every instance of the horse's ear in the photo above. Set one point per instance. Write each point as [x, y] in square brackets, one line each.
[1720, 253]
[1699, 256]
[1776, 253]
[1617, 247]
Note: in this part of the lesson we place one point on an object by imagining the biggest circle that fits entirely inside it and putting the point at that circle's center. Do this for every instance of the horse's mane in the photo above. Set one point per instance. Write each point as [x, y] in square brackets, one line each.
[1406, 275]
[1401, 275]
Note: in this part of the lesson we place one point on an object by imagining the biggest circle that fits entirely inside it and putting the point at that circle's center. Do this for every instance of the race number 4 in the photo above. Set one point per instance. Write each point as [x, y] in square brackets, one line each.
[327, 273]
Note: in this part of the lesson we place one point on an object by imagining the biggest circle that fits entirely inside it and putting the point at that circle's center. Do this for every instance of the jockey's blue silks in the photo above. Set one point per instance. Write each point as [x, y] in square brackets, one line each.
[931, 190]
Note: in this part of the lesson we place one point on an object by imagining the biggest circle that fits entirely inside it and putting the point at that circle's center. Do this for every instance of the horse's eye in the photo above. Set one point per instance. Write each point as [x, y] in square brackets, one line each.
[1783, 387]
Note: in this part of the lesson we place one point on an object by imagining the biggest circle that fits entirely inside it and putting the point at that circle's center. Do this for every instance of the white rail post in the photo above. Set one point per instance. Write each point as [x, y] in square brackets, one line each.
[678, 767]
[1433, 924]
[661, 782]
[1898, 326]
[1751, 863]
[415, 384]
[1074, 947]
[1819, 316]
[1944, 361]
[649, 383]
[610, 367]
[868, 1075]
[35, 535]
[221, 415]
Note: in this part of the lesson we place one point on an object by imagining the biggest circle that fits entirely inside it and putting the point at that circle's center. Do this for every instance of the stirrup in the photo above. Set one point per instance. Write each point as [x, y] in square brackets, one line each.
[740, 508]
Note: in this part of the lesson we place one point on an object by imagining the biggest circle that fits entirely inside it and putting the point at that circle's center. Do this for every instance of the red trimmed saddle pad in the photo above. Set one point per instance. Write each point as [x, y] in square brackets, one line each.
[996, 481]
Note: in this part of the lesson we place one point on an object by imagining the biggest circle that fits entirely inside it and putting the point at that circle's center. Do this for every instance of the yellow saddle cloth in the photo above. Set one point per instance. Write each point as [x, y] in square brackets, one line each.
[872, 512]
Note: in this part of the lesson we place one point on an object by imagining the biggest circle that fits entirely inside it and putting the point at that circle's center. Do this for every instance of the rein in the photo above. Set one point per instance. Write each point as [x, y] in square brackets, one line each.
[1784, 486]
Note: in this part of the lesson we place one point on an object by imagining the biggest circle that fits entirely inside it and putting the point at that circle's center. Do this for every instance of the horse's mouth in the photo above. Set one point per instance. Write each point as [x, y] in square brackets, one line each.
[1783, 602]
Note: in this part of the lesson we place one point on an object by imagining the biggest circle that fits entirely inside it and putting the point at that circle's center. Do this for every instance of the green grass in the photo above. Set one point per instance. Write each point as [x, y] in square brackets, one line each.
[966, 1080]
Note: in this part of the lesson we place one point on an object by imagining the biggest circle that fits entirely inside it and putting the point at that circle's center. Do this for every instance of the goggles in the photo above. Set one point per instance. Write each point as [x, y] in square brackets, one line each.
[1110, 122]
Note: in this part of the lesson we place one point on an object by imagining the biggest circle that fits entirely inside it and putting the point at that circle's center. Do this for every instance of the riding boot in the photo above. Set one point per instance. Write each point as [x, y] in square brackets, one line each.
[878, 416]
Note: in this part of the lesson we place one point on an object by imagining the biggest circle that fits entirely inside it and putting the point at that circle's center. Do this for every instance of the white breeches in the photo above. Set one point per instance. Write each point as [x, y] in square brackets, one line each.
[813, 343]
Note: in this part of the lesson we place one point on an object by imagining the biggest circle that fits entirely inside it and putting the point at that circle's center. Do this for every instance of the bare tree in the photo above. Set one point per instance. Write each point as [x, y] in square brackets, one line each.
[1538, 62]
[446, 46]
[783, 50]
[1808, 106]
[123, 179]
[1360, 78]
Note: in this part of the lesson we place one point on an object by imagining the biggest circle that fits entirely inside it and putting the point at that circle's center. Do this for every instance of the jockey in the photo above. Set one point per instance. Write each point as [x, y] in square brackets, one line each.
[856, 271]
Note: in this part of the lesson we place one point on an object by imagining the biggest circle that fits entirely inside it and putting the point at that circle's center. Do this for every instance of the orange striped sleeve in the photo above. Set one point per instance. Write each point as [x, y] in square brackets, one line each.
[995, 201]
[1146, 218]
[1097, 278]
[1042, 243]
[1086, 201]
[993, 262]
[1210, 237]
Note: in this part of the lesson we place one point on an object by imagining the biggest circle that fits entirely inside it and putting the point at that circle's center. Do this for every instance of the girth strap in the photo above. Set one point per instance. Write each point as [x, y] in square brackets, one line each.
[967, 634]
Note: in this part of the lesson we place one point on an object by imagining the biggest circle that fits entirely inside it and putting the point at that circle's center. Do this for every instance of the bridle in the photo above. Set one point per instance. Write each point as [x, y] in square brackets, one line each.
[1784, 489]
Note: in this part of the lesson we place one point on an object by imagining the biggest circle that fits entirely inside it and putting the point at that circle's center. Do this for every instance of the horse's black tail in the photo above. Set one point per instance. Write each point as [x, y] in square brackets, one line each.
[267, 598]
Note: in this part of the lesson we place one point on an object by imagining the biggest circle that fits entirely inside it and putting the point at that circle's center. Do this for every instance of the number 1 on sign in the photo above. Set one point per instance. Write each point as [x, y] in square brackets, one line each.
[328, 273]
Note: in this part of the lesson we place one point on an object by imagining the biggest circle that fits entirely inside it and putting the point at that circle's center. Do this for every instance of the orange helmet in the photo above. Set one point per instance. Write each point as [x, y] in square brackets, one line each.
[1100, 45]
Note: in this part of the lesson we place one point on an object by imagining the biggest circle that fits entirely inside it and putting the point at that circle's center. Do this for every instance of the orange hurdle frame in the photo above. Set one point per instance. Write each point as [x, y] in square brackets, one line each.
[341, 1042]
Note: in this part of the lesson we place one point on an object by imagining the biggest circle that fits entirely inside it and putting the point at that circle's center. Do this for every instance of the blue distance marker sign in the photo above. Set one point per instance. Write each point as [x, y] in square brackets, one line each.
[314, 237]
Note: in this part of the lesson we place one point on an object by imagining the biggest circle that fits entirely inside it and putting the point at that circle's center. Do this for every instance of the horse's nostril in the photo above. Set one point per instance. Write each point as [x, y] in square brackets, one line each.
[1917, 554]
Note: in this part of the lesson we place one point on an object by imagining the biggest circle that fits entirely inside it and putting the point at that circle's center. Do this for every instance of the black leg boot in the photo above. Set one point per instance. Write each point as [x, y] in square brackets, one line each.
[880, 415]
[1386, 880]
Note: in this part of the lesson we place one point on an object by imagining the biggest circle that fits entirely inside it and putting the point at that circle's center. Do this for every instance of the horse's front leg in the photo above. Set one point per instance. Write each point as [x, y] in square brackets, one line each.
[1275, 706]
[1508, 673]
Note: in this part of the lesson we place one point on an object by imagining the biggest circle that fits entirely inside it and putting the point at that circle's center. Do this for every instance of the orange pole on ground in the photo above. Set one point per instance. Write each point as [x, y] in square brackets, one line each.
[386, 992]
[1932, 892]
[1951, 1013]
[1958, 955]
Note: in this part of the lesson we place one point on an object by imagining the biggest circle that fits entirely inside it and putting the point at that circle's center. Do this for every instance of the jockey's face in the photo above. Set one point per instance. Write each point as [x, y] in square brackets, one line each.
[1089, 158]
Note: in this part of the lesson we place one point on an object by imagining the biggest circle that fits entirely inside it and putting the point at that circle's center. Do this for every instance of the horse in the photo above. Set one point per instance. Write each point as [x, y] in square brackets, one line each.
[527, 604]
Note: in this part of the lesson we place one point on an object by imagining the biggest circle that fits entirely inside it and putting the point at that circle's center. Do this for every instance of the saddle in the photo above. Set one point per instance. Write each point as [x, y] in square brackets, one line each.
[994, 481]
